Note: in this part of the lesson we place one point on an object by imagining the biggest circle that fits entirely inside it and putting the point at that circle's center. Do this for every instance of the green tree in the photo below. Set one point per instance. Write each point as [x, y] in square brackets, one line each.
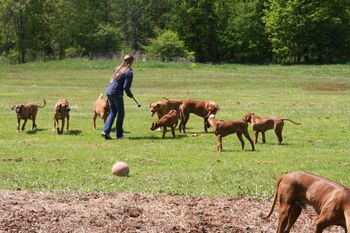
[168, 47]
[244, 39]
[197, 24]
[308, 31]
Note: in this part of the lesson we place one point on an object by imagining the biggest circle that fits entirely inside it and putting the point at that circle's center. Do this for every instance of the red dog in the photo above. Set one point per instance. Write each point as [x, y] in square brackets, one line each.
[224, 128]
[168, 120]
[101, 109]
[330, 200]
[261, 124]
[61, 112]
[200, 108]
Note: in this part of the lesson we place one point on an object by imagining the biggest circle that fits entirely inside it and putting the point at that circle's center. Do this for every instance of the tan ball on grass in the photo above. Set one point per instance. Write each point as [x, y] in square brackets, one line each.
[120, 169]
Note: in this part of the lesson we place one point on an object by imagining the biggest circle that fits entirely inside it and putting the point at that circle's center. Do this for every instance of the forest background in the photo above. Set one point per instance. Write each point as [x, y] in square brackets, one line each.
[208, 31]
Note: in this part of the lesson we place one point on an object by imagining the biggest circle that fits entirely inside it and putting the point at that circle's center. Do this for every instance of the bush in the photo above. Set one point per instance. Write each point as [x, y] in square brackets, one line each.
[168, 47]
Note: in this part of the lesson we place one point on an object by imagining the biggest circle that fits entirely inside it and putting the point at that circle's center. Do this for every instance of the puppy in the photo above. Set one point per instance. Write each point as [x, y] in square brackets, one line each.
[25, 112]
[261, 124]
[168, 120]
[101, 109]
[330, 200]
[61, 112]
[224, 128]
[200, 108]
[163, 107]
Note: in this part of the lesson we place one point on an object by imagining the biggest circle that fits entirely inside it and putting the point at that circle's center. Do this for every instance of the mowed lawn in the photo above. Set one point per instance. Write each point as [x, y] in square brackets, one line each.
[80, 160]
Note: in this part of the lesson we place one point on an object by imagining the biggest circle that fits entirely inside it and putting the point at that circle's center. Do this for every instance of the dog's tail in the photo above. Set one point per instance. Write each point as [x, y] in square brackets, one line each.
[43, 105]
[274, 199]
[168, 100]
[286, 119]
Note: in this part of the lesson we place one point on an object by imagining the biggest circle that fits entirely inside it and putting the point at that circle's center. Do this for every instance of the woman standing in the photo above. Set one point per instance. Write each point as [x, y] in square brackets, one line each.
[121, 80]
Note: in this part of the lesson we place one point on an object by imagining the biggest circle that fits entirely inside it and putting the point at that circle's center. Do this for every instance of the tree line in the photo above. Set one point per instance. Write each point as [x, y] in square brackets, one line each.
[234, 31]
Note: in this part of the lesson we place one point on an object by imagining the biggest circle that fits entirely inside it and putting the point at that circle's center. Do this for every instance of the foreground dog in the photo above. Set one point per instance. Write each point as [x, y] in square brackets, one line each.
[200, 108]
[330, 200]
[224, 128]
[101, 109]
[61, 112]
[168, 120]
[25, 112]
[261, 124]
[163, 107]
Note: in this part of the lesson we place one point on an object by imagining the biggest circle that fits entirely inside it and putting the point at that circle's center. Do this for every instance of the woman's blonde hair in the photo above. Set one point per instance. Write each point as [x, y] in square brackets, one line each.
[127, 62]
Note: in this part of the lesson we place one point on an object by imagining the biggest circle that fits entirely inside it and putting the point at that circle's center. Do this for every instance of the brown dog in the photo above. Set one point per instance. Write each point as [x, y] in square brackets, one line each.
[330, 200]
[101, 109]
[168, 120]
[224, 128]
[25, 112]
[164, 106]
[200, 108]
[61, 112]
[261, 124]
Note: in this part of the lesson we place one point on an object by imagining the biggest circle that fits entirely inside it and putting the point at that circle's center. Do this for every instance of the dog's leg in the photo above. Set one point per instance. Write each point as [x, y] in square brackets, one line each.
[94, 116]
[347, 220]
[239, 135]
[247, 136]
[173, 131]
[283, 216]
[24, 124]
[256, 134]
[186, 116]
[62, 125]
[219, 143]
[293, 216]
[34, 124]
[278, 131]
[263, 137]
[67, 122]
[164, 131]
[205, 127]
[18, 124]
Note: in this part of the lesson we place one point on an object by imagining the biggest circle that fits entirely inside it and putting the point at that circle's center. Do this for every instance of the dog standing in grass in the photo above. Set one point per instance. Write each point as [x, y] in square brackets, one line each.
[61, 112]
[261, 124]
[168, 120]
[101, 109]
[25, 112]
[224, 128]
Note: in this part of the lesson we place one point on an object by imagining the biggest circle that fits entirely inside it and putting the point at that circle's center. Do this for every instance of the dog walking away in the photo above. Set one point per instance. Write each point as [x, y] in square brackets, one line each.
[224, 128]
[262, 124]
[168, 120]
[25, 112]
[61, 112]
[330, 200]
[101, 109]
[199, 108]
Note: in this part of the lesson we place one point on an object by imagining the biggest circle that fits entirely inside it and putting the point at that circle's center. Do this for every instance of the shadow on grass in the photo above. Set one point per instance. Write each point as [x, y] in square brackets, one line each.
[73, 132]
[34, 131]
[158, 138]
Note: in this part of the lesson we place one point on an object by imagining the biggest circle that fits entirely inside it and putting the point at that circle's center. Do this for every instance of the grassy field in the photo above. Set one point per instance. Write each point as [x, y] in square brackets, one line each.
[81, 160]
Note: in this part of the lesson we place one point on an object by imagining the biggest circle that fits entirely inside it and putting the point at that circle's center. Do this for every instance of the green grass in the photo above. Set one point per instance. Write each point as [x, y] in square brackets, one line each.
[81, 160]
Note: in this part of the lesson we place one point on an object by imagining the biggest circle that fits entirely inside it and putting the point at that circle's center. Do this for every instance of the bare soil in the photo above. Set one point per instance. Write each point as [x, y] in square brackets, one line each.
[22, 211]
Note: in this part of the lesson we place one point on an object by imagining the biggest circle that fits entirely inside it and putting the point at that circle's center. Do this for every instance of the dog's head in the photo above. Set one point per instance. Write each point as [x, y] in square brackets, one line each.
[248, 117]
[18, 108]
[154, 126]
[154, 107]
[62, 106]
[213, 108]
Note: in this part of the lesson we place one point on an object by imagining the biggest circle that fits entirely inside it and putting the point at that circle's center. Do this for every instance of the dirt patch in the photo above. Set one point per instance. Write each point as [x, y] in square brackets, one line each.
[327, 87]
[22, 211]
